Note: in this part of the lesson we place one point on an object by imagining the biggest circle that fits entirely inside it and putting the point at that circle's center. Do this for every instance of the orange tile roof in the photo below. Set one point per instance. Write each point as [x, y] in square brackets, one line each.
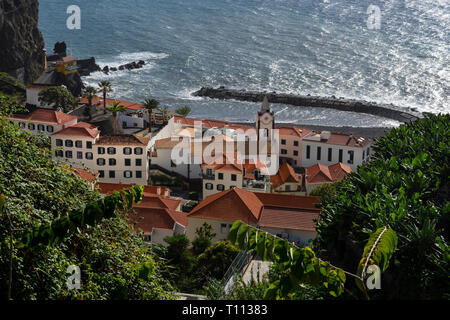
[123, 139]
[264, 209]
[288, 201]
[79, 130]
[285, 174]
[340, 139]
[210, 123]
[293, 219]
[320, 173]
[232, 204]
[45, 116]
[99, 101]
[292, 131]
[108, 188]
[148, 219]
[84, 174]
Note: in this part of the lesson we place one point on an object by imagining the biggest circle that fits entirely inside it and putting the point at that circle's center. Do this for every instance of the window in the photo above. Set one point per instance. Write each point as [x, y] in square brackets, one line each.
[22, 124]
[139, 174]
[208, 186]
[295, 153]
[31, 126]
[127, 151]
[59, 142]
[59, 153]
[41, 127]
[101, 161]
[233, 177]
[364, 154]
[127, 162]
[287, 187]
[283, 141]
[89, 145]
[209, 172]
[220, 176]
[69, 154]
[112, 162]
[138, 162]
[50, 129]
[308, 152]
[223, 228]
[138, 151]
[368, 151]
[101, 150]
[101, 173]
[112, 174]
[79, 144]
[68, 143]
[220, 187]
[128, 174]
[79, 155]
[89, 155]
[350, 154]
[295, 143]
[111, 150]
[319, 153]
[340, 155]
[283, 151]
[330, 154]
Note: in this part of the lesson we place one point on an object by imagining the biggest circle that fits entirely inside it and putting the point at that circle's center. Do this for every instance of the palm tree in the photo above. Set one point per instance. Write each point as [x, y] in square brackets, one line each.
[183, 111]
[105, 87]
[150, 105]
[116, 107]
[90, 93]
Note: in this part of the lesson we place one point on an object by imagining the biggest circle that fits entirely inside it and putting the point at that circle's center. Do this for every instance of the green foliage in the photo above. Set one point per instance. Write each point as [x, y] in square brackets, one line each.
[38, 191]
[58, 97]
[91, 214]
[183, 111]
[214, 262]
[203, 239]
[405, 185]
[9, 105]
[326, 191]
[11, 86]
[296, 265]
[378, 251]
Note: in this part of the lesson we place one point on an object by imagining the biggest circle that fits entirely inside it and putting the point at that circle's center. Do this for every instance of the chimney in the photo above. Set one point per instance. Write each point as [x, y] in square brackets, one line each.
[325, 135]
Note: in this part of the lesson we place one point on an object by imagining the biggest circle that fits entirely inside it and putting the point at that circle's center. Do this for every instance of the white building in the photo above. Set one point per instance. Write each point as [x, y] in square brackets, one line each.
[44, 121]
[117, 159]
[329, 148]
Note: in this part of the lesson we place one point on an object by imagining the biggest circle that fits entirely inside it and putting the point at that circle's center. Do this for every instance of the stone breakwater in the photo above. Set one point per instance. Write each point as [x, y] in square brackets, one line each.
[386, 111]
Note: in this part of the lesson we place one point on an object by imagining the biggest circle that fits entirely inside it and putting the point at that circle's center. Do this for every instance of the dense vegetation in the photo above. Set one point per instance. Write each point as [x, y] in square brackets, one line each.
[190, 270]
[406, 186]
[392, 214]
[37, 192]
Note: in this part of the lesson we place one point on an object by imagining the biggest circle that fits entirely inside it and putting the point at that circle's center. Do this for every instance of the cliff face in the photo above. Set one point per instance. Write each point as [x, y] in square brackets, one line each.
[21, 42]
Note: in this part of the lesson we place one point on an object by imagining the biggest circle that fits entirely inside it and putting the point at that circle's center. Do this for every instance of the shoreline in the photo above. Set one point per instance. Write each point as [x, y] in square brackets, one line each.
[342, 104]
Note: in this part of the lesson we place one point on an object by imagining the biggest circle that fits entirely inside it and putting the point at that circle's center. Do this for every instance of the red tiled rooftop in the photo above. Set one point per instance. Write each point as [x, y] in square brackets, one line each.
[45, 116]
[296, 219]
[109, 188]
[79, 130]
[341, 139]
[285, 174]
[149, 218]
[320, 173]
[123, 139]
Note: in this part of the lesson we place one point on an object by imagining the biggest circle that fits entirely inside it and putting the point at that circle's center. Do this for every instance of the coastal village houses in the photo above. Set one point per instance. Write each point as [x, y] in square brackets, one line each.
[287, 216]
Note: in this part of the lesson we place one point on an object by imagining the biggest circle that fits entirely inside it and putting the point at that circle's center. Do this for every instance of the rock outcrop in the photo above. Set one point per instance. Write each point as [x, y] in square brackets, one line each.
[129, 66]
[21, 42]
[387, 111]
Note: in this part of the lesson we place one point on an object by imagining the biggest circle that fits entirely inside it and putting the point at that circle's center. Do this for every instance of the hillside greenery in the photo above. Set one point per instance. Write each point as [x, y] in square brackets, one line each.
[405, 185]
[115, 262]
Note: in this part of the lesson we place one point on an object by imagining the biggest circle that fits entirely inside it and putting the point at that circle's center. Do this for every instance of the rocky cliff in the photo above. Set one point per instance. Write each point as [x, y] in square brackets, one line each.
[21, 42]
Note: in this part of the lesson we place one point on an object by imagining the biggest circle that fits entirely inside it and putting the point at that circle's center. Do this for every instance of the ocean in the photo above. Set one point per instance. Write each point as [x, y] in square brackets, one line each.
[384, 51]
